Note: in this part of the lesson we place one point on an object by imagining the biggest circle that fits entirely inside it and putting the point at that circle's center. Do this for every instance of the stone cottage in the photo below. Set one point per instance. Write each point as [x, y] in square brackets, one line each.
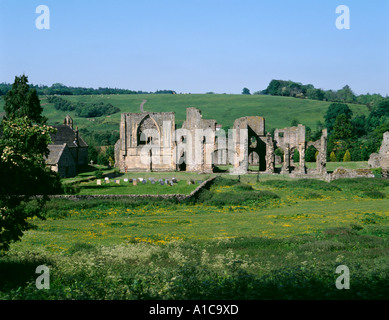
[68, 151]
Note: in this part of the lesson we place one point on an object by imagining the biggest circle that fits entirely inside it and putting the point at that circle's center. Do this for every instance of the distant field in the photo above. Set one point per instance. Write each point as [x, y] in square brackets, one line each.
[225, 108]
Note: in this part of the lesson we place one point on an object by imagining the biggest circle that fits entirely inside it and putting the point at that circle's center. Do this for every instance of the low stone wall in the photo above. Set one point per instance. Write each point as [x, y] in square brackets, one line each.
[342, 173]
[78, 197]
[205, 184]
[179, 197]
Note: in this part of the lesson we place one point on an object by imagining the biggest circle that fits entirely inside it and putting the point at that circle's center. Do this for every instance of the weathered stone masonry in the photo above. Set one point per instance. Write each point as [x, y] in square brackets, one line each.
[251, 145]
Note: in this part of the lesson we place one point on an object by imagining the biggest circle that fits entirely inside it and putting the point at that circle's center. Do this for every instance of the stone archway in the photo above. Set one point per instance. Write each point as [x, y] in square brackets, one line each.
[148, 132]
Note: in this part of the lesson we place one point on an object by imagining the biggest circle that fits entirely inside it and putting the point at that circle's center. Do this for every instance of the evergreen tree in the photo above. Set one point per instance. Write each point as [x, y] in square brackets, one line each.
[343, 129]
[347, 157]
[22, 101]
[334, 110]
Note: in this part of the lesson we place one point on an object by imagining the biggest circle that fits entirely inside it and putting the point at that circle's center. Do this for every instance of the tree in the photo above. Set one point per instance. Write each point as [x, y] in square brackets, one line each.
[359, 124]
[332, 157]
[21, 101]
[310, 154]
[92, 154]
[343, 129]
[246, 91]
[347, 156]
[26, 181]
[333, 111]
[341, 136]
[296, 156]
[274, 88]
[378, 115]
[346, 94]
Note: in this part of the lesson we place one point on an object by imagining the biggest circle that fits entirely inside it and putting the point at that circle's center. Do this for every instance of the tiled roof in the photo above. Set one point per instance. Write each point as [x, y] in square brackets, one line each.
[55, 153]
[67, 135]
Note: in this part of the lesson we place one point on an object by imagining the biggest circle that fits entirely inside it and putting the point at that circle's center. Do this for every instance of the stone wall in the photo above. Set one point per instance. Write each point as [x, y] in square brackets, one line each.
[381, 159]
[147, 142]
[196, 148]
[179, 197]
[200, 148]
[290, 139]
[343, 173]
[66, 166]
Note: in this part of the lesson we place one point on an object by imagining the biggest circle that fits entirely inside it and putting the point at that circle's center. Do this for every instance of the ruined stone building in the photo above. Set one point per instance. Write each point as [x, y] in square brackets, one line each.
[381, 159]
[68, 151]
[138, 130]
[203, 140]
[151, 142]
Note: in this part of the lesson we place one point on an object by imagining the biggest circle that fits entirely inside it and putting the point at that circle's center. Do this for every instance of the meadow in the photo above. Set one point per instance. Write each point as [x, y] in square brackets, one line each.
[247, 237]
[224, 108]
[276, 238]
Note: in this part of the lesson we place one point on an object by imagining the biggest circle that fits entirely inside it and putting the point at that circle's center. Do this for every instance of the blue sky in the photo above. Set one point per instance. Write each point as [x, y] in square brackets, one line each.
[197, 46]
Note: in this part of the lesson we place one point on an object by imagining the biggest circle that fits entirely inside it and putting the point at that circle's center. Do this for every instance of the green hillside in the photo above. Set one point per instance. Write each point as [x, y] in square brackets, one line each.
[225, 108]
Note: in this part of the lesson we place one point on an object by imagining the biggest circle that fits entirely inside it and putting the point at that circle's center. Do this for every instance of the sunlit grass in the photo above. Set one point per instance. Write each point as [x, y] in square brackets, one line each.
[278, 247]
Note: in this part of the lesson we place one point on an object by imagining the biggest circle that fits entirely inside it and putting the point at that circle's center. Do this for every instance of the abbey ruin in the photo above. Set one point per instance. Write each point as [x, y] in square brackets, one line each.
[151, 141]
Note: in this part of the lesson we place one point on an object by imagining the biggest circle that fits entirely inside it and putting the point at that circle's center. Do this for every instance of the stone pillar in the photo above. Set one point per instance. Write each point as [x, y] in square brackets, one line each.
[270, 156]
[240, 141]
[123, 134]
[286, 165]
[303, 169]
[321, 161]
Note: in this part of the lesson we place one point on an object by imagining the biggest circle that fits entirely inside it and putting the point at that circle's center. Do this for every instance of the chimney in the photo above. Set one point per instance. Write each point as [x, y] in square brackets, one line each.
[68, 121]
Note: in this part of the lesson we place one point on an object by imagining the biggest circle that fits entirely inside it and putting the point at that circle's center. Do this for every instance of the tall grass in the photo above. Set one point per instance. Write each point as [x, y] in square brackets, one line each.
[200, 249]
[218, 269]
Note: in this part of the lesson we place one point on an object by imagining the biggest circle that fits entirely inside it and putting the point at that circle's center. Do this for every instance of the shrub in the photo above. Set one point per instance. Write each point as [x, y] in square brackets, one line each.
[71, 188]
[333, 157]
[243, 187]
[377, 172]
[276, 183]
[99, 174]
[219, 181]
[241, 198]
[311, 154]
[361, 184]
[313, 195]
[347, 157]
[375, 194]
[303, 183]
[322, 245]
[82, 247]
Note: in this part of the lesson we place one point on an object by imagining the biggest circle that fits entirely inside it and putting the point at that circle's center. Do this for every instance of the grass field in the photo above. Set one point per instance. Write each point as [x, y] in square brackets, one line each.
[225, 108]
[112, 188]
[279, 238]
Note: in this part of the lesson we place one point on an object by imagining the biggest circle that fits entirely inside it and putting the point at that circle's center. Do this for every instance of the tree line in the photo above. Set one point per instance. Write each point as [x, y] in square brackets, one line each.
[308, 91]
[61, 89]
[83, 110]
[355, 138]
[350, 138]
[101, 145]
